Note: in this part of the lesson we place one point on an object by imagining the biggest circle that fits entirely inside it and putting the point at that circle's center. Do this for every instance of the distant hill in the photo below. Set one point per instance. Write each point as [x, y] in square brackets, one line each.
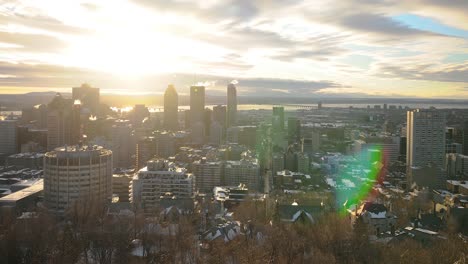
[19, 101]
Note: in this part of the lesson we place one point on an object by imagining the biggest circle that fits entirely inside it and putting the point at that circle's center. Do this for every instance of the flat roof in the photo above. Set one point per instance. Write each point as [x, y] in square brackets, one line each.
[459, 183]
[21, 194]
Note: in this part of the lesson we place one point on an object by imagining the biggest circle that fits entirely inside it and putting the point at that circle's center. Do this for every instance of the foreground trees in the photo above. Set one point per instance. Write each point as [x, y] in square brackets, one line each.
[89, 235]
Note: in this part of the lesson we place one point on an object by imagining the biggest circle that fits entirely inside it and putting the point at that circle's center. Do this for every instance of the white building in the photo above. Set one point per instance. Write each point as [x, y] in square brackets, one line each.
[74, 173]
[158, 178]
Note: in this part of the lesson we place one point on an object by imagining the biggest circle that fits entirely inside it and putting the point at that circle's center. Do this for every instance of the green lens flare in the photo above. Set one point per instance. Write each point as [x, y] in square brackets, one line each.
[357, 179]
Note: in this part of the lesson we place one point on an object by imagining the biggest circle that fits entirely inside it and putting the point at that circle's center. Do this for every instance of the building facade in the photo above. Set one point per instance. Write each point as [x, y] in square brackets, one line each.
[197, 104]
[242, 172]
[171, 108]
[75, 173]
[123, 147]
[8, 137]
[207, 174]
[159, 178]
[425, 138]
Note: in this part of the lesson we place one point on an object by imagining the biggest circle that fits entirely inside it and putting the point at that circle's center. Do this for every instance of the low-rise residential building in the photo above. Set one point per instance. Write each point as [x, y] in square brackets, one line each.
[460, 187]
[376, 216]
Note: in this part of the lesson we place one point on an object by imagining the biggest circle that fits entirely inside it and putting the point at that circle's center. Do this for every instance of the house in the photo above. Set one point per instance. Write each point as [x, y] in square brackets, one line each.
[376, 216]
[294, 213]
[223, 232]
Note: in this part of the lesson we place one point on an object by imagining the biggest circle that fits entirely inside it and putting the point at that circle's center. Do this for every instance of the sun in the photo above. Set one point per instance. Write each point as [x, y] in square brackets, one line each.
[127, 52]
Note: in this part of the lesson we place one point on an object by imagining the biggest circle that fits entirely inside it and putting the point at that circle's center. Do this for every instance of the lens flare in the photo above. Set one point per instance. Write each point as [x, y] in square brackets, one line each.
[358, 178]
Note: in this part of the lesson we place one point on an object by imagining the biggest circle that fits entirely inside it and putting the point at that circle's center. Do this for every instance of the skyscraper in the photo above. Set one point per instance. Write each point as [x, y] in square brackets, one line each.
[171, 105]
[123, 146]
[197, 104]
[278, 118]
[219, 114]
[231, 105]
[76, 129]
[294, 130]
[88, 96]
[59, 122]
[425, 138]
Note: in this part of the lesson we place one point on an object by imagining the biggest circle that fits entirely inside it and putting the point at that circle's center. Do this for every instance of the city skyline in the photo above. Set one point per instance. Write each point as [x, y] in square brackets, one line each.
[325, 48]
[233, 131]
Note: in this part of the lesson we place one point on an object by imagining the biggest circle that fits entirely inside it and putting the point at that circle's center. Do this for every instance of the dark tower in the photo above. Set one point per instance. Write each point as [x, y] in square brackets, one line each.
[231, 105]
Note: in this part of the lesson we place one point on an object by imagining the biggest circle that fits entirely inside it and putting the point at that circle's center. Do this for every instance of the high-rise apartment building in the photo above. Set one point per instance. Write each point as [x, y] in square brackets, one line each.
[231, 105]
[425, 155]
[74, 173]
[171, 106]
[425, 138]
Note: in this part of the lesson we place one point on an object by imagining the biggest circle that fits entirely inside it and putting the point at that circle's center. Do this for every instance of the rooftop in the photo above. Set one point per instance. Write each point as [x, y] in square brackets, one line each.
[16, 196]
[464, 184]
[27, 155]
[77, 149]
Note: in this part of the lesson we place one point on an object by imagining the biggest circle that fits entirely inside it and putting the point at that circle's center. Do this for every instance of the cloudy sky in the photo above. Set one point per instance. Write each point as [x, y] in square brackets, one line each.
[359, 48]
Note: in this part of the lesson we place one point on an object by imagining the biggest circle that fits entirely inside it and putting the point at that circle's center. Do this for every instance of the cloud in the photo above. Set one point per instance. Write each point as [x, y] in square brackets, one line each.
[380, 24]
[234, 10]
[337, 44]
[89, 7]
[62, 77]
[41, 22]
[32, 42]
[428, 72]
